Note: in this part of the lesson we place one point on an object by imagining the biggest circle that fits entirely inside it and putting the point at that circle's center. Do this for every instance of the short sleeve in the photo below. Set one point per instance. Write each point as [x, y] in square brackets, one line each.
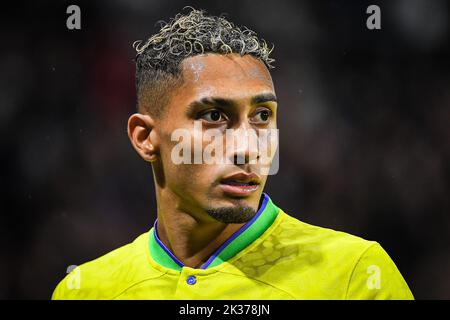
[375, 276]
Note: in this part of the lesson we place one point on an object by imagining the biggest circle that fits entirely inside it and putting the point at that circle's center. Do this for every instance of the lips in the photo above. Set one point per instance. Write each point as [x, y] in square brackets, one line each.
[240, 184]
[237, 183]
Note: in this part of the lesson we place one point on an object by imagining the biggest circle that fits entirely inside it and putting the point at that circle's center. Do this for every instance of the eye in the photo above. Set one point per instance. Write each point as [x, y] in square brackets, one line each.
[262, 116]
[213, 116]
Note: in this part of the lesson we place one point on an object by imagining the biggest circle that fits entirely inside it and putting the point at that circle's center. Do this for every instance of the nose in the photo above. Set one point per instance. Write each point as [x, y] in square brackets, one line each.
[242, 145]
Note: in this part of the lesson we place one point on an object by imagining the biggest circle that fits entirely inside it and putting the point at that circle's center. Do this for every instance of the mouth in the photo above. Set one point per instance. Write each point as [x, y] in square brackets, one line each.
[240, 184]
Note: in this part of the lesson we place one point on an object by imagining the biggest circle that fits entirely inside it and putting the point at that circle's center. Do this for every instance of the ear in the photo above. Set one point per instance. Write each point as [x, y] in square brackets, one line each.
[142, 136]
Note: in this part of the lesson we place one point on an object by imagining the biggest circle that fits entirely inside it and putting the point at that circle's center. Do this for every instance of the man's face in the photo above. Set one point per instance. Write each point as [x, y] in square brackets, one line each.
[220, 92]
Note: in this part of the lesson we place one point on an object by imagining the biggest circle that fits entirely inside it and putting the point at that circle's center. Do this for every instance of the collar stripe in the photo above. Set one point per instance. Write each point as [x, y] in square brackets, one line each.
[236, 234]
[243, 237]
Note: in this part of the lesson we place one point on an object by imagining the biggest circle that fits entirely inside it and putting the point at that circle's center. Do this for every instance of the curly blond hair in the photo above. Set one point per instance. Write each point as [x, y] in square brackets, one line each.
[158, 58]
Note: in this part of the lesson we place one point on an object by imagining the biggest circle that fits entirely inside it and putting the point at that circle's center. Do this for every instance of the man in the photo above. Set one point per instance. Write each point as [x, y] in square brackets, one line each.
[217, 235]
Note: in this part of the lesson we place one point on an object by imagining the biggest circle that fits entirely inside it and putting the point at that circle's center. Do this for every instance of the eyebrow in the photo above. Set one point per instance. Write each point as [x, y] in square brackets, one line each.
[223, 102]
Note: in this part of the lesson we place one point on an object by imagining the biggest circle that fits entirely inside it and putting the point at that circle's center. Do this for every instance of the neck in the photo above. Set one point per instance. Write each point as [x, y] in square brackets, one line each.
[191, 239]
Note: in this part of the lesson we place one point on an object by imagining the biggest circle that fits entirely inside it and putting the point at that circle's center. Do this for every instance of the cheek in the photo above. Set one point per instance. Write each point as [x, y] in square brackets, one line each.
[185, 176]
[183, 172]
[188, 178]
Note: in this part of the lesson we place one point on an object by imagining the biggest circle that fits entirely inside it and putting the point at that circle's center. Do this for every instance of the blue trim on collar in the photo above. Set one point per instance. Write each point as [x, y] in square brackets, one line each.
[262, 208]
[237, 233]
[164, 247]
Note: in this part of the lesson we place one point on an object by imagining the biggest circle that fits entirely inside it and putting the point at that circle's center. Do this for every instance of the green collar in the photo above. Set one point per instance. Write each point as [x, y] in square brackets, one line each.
[248, 233]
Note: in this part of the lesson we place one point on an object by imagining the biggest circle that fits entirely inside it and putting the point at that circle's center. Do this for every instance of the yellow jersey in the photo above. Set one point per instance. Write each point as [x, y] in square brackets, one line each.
[273, 256]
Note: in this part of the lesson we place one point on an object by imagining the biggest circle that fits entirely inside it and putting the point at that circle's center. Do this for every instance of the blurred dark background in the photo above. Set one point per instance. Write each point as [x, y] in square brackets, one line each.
[363, 115]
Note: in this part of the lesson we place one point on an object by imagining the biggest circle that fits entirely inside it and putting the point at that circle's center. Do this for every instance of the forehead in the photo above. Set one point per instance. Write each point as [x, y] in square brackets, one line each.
[227, 75]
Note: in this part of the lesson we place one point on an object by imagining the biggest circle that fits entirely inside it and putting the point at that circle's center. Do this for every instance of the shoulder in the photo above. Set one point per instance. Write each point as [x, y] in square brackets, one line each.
[356, 267]
[293, 246]
[375, 276]
[315, 238]
[108, 275]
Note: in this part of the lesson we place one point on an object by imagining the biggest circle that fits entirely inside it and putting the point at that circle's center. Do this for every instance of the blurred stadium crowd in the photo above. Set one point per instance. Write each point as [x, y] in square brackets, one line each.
[363, 116]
